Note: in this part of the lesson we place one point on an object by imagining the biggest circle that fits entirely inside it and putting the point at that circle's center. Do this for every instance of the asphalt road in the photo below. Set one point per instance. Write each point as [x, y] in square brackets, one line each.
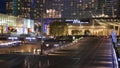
[89, 52]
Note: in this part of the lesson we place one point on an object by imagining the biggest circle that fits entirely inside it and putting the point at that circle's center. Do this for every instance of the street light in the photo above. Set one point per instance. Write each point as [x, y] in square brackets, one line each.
[42, 32]
[42, 24]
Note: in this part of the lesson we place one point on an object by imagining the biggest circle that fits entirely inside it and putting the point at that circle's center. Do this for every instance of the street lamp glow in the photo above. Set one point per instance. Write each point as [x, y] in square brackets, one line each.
[47, 11]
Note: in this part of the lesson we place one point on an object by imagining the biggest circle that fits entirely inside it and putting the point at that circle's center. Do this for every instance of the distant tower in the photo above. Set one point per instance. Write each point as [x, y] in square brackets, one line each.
[101, 6]
[61, 9]
[108, 7]
[3, 6]
[119, 8]
[31, 9]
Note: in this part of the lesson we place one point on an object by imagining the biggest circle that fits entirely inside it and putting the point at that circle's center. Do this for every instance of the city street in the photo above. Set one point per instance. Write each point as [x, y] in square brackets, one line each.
[89, 52]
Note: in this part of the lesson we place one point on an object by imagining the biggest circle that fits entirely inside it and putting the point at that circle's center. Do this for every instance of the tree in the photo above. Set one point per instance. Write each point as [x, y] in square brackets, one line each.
[58, 28]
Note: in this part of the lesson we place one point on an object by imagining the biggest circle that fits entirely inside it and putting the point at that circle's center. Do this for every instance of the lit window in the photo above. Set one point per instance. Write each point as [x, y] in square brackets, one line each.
[92, 5]
[18, 8]
[41, 5]
[74, 13]
[28, 9]
[18, 4]
[89, 2]
[71, 3]
[29, 0]
[37, 1]
[80, 0]
[93, 1]
[86, 5]
[34, 10]
[115, 9]
[35, 15]
[80, 13]
[22, 7]
[37, 12]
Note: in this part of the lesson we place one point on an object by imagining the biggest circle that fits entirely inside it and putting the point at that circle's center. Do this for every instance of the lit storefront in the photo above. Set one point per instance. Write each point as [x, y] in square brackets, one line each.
[20, 25]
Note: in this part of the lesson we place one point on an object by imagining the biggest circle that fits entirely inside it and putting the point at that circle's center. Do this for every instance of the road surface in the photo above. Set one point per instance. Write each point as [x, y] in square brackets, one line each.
[89, 52]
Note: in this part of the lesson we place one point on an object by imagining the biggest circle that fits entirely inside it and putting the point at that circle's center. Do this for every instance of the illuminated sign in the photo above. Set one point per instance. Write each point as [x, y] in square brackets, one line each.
[13, 38]
[76, 21]
[32, 3]
[45, 28]
[30, 38]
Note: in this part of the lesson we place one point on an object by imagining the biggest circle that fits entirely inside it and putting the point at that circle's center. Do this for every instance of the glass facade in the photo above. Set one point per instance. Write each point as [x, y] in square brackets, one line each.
[3, 6]
[119, 8]
[67, 9]
[25, 8]
[19, 24]
[72, 9]
[108, 7]
[15, 7]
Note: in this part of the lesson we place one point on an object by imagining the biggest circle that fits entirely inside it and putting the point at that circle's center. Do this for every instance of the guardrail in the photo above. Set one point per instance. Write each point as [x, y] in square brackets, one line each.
[114, 56]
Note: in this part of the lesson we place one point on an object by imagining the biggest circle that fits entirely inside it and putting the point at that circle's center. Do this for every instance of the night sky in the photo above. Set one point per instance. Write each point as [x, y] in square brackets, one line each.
[3, 6]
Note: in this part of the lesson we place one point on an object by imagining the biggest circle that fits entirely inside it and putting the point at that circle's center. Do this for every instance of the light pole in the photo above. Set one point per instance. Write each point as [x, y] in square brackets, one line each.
[42, 33]
[42, 41]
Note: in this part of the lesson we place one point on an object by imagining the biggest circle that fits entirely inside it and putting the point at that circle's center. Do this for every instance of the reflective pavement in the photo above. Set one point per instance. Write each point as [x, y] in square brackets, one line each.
[89, 52]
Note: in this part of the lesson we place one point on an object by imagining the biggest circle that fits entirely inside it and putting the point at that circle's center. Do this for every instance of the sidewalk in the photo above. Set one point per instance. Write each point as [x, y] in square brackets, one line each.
[117, 51]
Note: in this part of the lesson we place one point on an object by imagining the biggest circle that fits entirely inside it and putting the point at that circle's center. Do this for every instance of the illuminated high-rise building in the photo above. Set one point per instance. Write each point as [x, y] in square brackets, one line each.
[61, 9]
[111, 8]
[108, 7]
[25, 8]
[72, 9]
[3, 6]
[119, 8]
[68, 9]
